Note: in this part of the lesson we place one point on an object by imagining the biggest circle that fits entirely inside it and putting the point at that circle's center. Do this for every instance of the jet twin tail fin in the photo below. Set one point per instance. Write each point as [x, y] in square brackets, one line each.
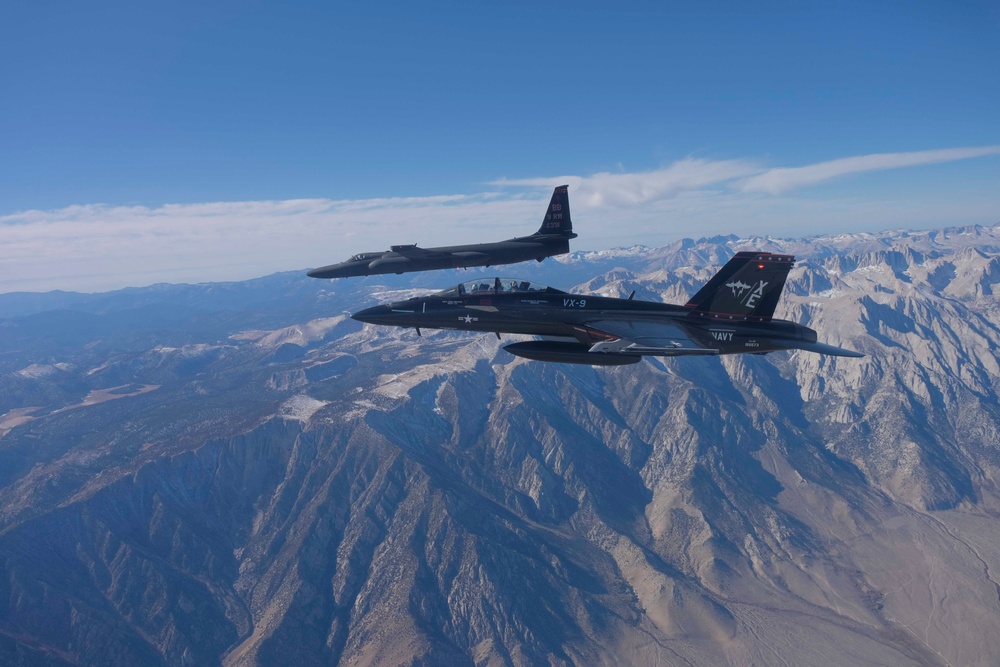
[747, 287]
[557, 221]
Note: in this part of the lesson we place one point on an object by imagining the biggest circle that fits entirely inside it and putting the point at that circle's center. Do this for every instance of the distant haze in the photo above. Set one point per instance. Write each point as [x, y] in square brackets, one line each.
[100, 247]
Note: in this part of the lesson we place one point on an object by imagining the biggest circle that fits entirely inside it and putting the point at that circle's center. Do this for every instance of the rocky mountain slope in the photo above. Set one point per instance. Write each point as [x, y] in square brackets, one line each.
[241, 475]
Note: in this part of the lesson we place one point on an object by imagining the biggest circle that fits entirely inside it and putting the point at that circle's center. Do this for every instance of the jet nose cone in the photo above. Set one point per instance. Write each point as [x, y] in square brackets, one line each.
[323, 272]
[373, 315]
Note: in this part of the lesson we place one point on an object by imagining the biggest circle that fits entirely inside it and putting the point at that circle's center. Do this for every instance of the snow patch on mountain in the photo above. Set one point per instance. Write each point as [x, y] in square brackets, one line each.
[301, 407]
[599, 255]
[38, 371]
[399, 385]
[300, 334]
[186, 351]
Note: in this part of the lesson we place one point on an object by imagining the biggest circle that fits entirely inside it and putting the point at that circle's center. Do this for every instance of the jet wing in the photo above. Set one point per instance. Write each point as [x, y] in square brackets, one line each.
[821, 348]
[413, 252]
[643, 337]
[469, 256]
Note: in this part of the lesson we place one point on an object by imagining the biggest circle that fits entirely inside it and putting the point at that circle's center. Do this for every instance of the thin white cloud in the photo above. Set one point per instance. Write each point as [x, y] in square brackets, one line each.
[98, 247]
[613, 190]
[777, 181]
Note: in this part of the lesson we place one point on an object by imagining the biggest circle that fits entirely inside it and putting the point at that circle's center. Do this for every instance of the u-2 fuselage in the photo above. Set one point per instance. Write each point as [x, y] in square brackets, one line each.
[552, 238]
[450, 257]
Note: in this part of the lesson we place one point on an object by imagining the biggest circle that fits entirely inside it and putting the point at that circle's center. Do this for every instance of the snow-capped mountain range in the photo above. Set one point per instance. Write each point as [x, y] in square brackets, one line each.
[240, 474]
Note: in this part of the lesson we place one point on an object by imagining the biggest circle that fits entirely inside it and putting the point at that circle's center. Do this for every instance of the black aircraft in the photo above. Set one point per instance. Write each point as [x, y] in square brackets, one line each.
[729, 315]
[552, 238]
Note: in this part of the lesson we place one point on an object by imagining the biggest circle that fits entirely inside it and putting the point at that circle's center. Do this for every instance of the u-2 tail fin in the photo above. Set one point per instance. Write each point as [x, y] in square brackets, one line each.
[747, 287]
[557, 221]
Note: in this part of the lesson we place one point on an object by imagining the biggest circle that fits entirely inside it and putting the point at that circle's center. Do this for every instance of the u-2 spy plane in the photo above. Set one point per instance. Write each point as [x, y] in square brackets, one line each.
[731, 314]
[552, 238]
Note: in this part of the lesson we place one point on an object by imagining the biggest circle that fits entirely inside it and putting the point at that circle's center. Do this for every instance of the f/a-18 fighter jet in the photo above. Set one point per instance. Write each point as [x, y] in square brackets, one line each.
[731, 314]
[552, 238]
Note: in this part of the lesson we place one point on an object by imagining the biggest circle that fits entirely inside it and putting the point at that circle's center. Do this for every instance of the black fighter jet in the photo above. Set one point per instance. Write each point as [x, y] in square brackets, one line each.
[552, 238]
[729, 315]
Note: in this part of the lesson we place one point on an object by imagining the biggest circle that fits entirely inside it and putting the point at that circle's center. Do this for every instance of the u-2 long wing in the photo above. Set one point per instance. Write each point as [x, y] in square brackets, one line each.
[413, 252]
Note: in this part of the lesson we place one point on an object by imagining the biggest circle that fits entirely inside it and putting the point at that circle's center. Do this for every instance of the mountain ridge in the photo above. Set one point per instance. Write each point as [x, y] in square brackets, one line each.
[251, 488]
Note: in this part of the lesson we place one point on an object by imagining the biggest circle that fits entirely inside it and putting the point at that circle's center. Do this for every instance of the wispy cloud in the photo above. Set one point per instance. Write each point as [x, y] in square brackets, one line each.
[642, 188]
[777, 181]
[96, 247]
[611, 190]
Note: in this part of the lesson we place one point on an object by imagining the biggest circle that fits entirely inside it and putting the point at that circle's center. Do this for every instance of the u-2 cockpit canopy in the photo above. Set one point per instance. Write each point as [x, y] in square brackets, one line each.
[365, 256]
[487, 286]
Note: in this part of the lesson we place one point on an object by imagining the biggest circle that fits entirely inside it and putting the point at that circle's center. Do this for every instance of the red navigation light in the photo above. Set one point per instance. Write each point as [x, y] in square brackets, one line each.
[760, 266]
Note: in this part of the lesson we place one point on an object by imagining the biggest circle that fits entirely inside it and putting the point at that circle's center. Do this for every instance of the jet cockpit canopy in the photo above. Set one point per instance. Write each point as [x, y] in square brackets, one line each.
[486, 286]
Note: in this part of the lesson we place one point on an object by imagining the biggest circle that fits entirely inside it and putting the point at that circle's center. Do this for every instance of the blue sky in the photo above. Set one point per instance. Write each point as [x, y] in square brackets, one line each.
[146, 137]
